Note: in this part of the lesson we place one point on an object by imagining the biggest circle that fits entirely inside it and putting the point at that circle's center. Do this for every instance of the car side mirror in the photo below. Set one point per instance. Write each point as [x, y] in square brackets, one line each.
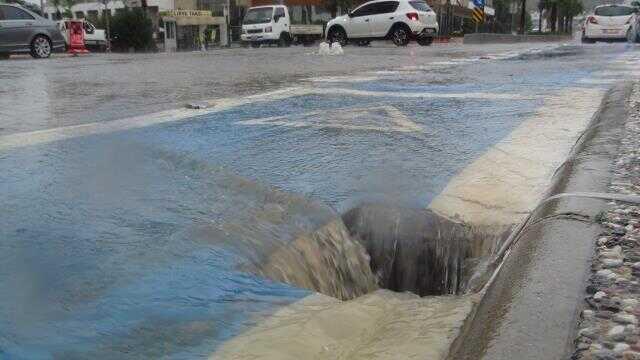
[349, 14]
[276, 18]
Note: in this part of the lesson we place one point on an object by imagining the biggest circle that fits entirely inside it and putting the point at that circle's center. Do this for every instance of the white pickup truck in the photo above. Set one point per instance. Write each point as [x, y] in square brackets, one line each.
[272, 25]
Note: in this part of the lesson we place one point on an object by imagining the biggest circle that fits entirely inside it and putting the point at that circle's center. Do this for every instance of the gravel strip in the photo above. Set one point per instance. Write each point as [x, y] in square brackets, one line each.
[609, 326]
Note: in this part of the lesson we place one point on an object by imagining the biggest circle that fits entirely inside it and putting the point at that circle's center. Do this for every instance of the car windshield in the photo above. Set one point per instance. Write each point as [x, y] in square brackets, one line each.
[258, 15]
[420, 5]
[614, 11]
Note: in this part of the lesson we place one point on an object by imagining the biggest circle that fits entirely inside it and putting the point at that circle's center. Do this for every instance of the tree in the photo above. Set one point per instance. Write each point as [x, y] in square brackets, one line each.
[27, 5]
[132, 29]
[333, 5]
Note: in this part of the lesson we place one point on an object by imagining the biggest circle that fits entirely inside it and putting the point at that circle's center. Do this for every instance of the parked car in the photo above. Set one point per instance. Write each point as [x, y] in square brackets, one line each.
[22, 31]
[609, 22]
[398, 20]
[94, 38]
[273, 25]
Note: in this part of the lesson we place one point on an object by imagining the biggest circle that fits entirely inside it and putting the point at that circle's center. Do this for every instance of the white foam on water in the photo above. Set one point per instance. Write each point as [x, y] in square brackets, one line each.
[336, 49]
[380, 118]
[324, 49]
[342, 79]
[593, 81]
[619, 73]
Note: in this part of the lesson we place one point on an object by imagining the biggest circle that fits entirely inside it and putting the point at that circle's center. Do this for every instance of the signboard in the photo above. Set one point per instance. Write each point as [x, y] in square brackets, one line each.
[186, 13]
[477, 14]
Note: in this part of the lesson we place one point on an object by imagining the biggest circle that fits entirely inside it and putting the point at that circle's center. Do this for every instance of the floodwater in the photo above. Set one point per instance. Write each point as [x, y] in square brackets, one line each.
[149, 241]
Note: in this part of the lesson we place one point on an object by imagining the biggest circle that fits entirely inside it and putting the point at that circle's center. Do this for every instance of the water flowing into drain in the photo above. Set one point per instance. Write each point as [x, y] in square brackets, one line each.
[417, 250]
[376, 246]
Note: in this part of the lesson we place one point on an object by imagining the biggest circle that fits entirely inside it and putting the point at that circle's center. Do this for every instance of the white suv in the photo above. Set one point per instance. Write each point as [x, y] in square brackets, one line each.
[610, 22]
[398, 20]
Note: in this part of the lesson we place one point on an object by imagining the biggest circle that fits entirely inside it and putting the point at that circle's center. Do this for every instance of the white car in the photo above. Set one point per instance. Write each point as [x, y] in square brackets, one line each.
[398, 20]
[609, 22]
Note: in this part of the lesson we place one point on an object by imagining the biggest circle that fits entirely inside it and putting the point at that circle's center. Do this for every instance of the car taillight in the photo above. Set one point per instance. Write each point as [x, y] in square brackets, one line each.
[593, 20]
[412, 16]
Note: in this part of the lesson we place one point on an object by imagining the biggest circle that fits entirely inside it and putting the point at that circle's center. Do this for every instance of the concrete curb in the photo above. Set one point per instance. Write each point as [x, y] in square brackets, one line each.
[530, 308]
[482, 38]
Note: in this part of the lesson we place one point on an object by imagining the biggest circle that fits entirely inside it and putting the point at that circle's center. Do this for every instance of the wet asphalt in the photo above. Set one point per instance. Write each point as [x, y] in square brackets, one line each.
[96, 251]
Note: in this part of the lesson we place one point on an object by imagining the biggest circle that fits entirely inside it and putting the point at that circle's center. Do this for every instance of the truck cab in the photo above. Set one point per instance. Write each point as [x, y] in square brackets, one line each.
[266, 25]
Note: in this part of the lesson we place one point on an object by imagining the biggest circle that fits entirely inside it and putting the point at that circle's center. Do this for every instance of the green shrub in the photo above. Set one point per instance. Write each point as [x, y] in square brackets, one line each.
[132, 29]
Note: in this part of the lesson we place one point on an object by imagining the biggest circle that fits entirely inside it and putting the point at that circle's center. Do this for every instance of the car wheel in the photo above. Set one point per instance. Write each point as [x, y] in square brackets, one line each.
[255, 44]
[400, 36]
[338, 35]
[40, 47]
[586, 40]
[425, 41]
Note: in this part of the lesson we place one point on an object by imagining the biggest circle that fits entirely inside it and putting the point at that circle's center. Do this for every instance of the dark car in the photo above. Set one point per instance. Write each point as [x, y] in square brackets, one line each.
[22, 31]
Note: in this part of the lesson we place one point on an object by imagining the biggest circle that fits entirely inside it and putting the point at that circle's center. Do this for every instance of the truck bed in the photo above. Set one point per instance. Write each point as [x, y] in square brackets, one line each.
[306, 29]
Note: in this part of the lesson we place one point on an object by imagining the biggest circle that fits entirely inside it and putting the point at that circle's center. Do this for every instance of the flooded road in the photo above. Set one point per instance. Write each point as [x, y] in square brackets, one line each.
[146, 236]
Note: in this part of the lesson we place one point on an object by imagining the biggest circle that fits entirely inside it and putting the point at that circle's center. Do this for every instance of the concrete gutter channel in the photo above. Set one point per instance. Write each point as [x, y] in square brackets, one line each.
[530, 307]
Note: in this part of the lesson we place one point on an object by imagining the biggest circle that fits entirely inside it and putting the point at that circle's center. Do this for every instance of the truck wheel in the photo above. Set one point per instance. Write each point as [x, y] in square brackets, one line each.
[284, 40]
[40, 47]
[400, 35]
[255, 44]
[425, 41]
[337, 34]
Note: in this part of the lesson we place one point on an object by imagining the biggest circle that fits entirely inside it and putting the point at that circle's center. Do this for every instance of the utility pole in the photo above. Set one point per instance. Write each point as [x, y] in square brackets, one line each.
[523, 18]
[107, 14]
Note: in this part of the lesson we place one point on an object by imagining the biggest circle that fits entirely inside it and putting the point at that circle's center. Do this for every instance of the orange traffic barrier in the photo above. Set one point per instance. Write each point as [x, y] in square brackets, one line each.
[75, 32]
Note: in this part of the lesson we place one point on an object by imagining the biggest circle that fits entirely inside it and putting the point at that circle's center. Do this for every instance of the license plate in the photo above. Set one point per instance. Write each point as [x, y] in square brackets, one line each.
[610, 31]
[429, 31]
[254, 37]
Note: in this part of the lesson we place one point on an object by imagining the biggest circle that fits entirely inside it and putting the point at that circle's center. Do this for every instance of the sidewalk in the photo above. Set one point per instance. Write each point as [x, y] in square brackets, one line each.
[531, 307]
[609, 324]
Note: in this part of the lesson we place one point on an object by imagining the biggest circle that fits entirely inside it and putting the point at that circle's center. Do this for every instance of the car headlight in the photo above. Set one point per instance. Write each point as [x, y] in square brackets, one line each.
[268, 29]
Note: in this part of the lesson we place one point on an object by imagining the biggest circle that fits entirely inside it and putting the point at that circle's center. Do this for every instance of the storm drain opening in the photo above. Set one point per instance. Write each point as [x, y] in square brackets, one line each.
[419, 251]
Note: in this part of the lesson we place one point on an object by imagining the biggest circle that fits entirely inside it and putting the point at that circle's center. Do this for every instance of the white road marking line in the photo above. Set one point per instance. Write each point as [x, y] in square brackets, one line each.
[218, 105]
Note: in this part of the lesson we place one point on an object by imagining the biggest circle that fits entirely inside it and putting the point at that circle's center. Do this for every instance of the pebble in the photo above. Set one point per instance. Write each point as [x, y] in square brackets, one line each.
[616, 333]
[599, 295]
[621, 348]
[625, 319]
[631, 355]
[611, 263]
[588, 314]
[630, 302]
[609, 328]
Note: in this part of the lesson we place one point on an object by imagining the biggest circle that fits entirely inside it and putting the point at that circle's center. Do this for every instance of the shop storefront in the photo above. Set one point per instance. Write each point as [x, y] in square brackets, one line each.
[187, 30]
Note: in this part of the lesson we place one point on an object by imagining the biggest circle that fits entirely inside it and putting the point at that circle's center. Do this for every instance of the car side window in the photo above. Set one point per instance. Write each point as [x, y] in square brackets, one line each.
[13, 13]
[386, 7]
[364, 10]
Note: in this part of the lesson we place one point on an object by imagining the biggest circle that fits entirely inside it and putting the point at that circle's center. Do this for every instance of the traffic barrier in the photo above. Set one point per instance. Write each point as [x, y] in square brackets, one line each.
[75, 33]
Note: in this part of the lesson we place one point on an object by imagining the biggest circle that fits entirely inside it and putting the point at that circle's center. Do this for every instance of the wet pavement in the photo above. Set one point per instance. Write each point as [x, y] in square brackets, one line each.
[101, 251]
